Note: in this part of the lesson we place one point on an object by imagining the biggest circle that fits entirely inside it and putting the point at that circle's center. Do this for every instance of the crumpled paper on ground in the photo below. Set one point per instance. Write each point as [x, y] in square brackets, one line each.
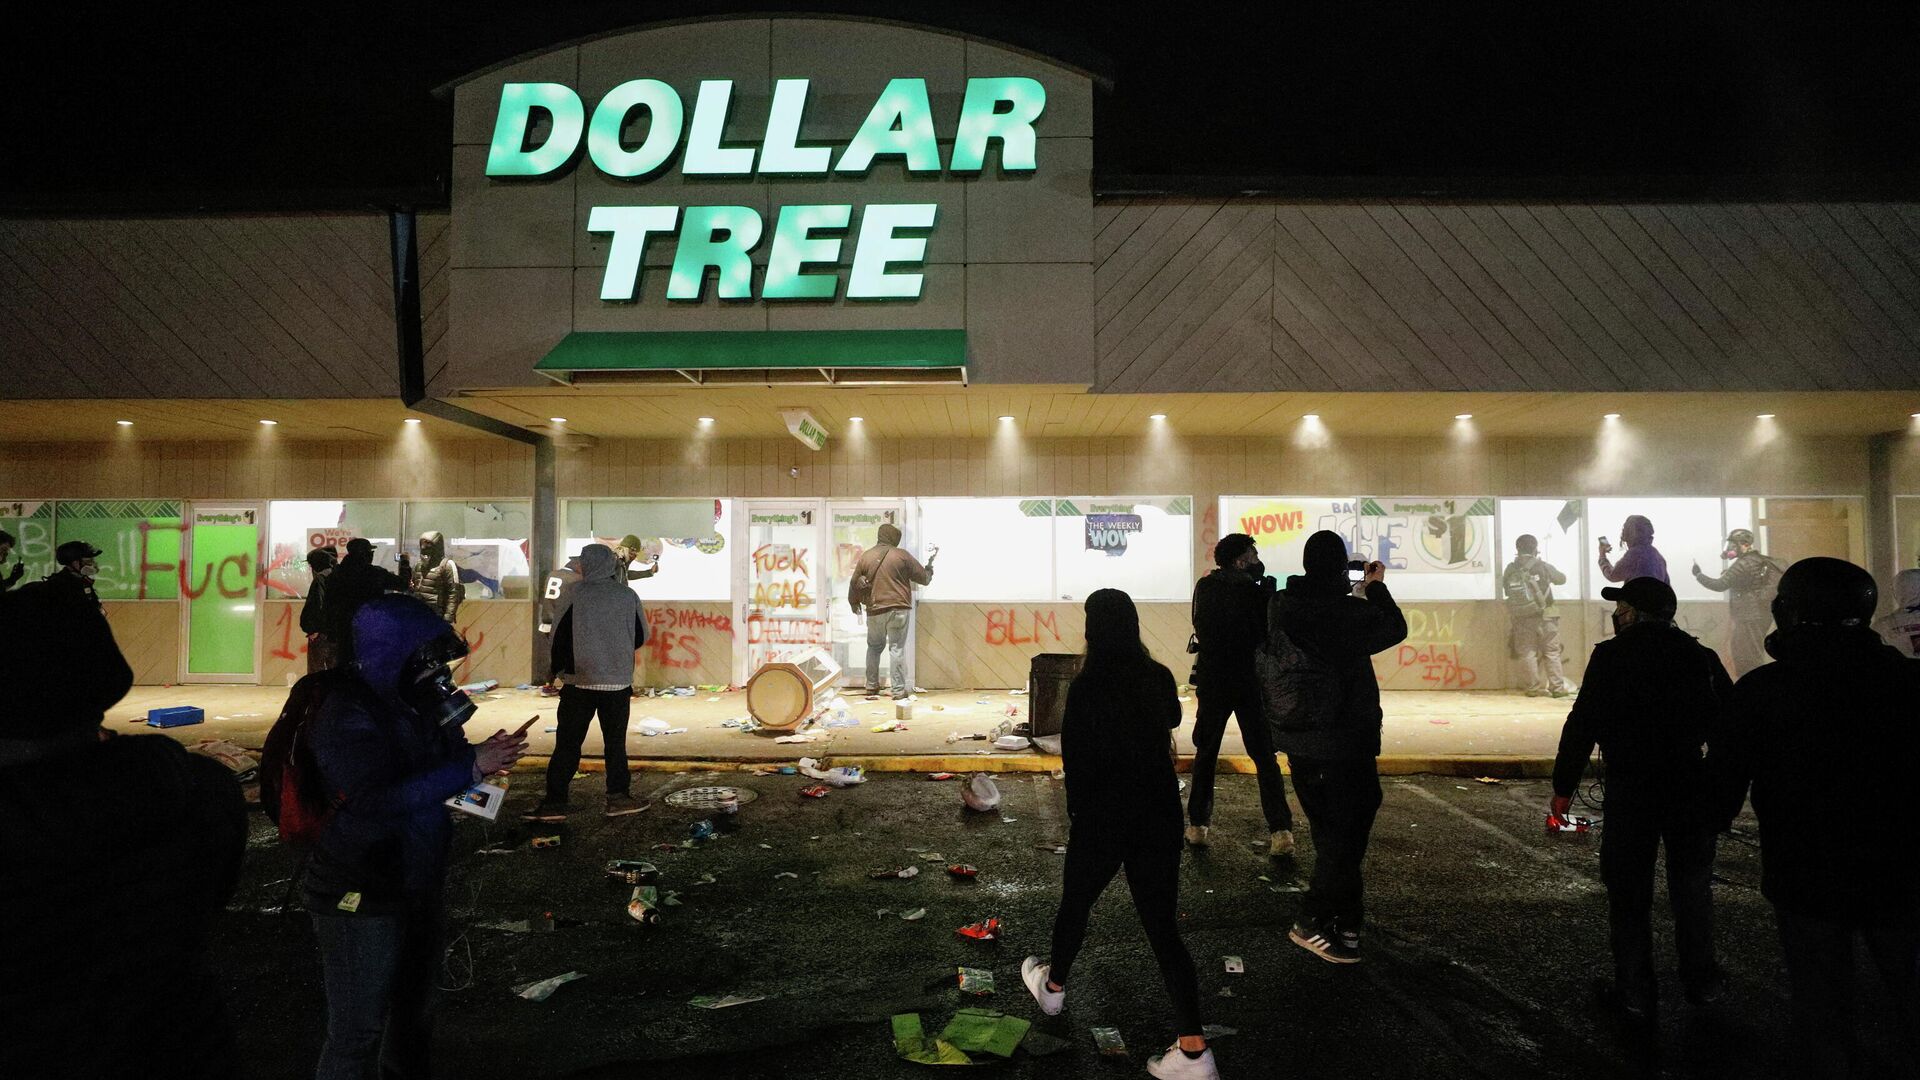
[911, 1043]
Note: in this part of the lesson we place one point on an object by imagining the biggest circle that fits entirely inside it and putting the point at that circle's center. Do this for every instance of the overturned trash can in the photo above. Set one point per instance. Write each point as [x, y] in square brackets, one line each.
[786, 695]
[1047, 681]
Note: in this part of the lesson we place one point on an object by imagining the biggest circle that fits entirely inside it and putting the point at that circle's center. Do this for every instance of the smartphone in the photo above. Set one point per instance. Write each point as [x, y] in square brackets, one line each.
[1603, 542]
[1356, 575]
[522, 729]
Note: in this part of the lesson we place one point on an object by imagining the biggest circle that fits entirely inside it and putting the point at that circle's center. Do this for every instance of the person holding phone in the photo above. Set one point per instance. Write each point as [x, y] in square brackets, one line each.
[1641, 558]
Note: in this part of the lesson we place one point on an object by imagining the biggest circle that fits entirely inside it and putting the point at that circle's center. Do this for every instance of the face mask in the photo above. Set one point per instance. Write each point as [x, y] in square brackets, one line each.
[1617, 624]
[1730, 553]
[427, 683]
[90, 572]
[1258, 570]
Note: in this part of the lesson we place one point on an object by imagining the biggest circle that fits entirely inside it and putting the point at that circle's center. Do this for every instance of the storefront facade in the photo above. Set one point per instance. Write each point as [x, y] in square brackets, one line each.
[691, 256]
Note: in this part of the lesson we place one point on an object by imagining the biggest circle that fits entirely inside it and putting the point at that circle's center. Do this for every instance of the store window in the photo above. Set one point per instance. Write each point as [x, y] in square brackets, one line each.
[30, 522]
[130, 534]
[990, 549]
[297, 526]
[1555, 525]
[489, 541]
[1142, 546]
[686, 538]
[1685, 530]
[1435, 547]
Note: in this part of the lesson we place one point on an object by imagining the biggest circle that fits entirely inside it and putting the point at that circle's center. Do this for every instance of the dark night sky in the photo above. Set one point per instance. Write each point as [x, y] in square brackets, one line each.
[329, 105]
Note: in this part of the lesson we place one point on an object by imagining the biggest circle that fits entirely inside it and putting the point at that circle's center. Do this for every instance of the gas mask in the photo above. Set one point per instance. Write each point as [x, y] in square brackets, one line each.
[426, 682]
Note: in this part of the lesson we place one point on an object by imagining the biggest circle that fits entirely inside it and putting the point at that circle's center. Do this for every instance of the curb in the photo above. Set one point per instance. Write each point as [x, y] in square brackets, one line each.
[1498, 766]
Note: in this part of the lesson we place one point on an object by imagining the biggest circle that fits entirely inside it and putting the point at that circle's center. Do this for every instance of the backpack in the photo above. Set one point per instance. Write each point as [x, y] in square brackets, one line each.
[1299, 692]
[291, 790]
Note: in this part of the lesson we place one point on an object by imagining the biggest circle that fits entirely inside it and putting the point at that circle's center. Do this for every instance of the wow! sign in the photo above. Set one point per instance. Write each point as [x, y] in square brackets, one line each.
[722, 238]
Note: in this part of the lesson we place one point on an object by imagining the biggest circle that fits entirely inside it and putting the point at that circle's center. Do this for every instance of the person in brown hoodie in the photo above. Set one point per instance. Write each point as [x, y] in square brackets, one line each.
[883, 581]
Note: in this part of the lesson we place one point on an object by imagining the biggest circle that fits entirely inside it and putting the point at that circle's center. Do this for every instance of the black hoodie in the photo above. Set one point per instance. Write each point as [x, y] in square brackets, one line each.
[1827, 736]
[1324, 618]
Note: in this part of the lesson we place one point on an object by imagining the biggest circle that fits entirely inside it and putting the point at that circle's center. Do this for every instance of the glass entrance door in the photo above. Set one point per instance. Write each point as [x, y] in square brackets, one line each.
[781, 611]
[221, 581]
[854, 527]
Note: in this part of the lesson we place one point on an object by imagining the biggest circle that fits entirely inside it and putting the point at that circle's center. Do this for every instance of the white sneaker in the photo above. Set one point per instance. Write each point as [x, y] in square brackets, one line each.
[1280, 843]
[1175, 1065]
[1034, 974]
[1197, 836]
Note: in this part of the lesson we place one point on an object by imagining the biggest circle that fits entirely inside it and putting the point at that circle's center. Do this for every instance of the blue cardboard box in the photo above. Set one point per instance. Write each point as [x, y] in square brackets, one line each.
[177, 716]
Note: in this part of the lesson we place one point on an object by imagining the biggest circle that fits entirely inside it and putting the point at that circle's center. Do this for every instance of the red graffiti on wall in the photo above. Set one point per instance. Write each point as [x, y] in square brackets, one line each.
[669, 648]
[1004, 626]
[234, 577]
[762, 630]
[1438, 665]
[284, 624]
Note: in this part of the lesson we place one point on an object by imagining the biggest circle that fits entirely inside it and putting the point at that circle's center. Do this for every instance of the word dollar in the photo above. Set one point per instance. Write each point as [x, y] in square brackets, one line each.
[722, 237]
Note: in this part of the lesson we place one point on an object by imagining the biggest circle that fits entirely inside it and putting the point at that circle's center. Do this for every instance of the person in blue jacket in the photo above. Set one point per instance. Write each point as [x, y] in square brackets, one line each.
[388, 748]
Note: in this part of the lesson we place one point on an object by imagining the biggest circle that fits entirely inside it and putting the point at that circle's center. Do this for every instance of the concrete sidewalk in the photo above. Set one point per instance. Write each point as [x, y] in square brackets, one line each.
[1457, 733]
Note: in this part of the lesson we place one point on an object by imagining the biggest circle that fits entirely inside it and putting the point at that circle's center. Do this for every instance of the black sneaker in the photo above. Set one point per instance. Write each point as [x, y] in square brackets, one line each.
[1324, 943]
[548, 813]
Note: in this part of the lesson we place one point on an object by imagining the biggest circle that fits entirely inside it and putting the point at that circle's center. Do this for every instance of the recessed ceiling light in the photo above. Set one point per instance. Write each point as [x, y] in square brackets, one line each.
[1311, 416]
[856, 419]
[411, 420]
[1004, 419]
[706, 419]
[129, 423]
[1916, 416]
[556, 419]
[1763, 416]
[1463, 416]
[1157, 416]
[1611, 416]
[270, 423]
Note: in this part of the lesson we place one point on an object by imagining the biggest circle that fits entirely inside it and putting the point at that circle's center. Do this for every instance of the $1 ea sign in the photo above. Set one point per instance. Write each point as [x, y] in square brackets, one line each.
[1109, 532]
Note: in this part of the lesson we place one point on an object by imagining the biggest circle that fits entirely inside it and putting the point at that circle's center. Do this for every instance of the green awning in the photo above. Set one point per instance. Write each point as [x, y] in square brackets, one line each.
[852, 357]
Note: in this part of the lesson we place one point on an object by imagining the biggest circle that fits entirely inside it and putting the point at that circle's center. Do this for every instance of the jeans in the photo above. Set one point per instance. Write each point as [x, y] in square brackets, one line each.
[577, 708]
[1820, 982]
[888, 630]
[1629, 842]
[1151, 858]
[379, 976]
[1239, 695]
[1341, 799]
[1536, 642]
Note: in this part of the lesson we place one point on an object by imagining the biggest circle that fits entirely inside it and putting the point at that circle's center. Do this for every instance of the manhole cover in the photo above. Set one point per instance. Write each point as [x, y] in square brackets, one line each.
[710, 798]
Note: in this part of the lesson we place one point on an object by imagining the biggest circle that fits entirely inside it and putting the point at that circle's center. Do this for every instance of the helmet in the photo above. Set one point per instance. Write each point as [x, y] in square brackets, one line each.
[1826, 591]
[1740, 536]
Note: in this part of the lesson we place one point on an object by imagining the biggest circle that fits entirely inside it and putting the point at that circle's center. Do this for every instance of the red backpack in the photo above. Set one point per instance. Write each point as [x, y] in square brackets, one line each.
[291, 790]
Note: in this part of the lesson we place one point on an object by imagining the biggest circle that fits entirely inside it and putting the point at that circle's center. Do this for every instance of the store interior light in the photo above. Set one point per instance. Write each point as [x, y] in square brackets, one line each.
[856, 419]
[1463, 416]
[1611, 416]
[411, 420]
[129, 423]
[556, 419]
[1007, 419]
[1764, 416]
[1311, 416]
[1157, 416]
[270, 423]
[706, 420]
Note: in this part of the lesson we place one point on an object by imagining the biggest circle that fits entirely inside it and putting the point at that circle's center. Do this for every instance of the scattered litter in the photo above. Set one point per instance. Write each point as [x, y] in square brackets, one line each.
[644, 906]
[1226, 991]
[1012, 742]
[494, 851]
[788, 770]
[524, 686]
[713, 699]
[481, 687]
[724, 1001]
[1057, 849]
[841, 720]
[1234, 965]
[632, 871]
[903, 873]
[941, 776]
[238, 759]
[726, 800]
[550, 729]
[766, 847]
[913, 916]
[1438, 720]
[1108, 1041]
[1485, 780]
[786, 874]
[705, 879]
[976, 736]
[883, 913]
[842, 776]
[985, 1031]
[544, 988]
[976, 981]
[672, 899]
[962, 870]
[1047, 744]
[984, 930]
[911, 1043]
[177, 716]
[815, 791]
[701, 830]
[885, 726]
[802, 737]
[546, 841]
[931, 856]
[981, 793]
[712, 688]
[1287, 888]
[1217, 1031]
[1022, 692]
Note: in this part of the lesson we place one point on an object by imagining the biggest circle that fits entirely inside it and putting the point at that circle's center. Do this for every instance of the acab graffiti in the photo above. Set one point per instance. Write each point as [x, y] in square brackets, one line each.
[781, 578]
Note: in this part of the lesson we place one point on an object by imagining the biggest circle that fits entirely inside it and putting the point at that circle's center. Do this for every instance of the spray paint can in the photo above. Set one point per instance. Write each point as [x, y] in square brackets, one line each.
[645, 905]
